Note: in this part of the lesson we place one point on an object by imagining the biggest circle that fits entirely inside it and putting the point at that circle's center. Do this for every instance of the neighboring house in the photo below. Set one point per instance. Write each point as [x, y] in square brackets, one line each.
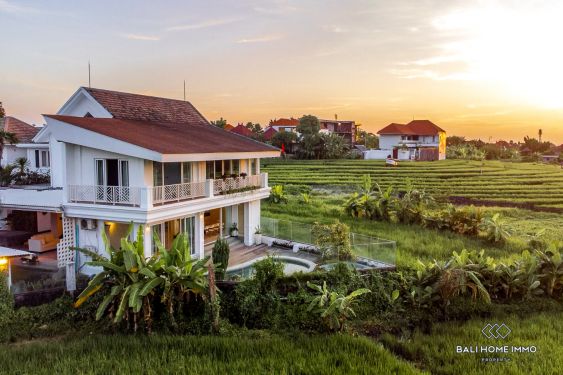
[284, 124]
[240, 129]
[346, 129]
[417, 140]
[37, 154]
[120, 158]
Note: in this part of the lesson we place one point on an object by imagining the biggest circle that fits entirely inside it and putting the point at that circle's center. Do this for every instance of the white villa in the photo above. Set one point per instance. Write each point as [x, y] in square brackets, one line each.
[417, 140]
[119, 158]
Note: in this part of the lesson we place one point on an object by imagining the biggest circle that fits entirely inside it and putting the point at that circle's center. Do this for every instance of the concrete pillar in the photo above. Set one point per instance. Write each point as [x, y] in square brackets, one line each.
[251, 221]
[199, 236]
[209, 188]
[147, 240]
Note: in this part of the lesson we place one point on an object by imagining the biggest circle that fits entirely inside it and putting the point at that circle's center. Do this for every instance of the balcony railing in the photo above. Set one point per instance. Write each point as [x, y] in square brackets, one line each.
[178, 192]
[158, 195]
[98, 194]
[236, 184]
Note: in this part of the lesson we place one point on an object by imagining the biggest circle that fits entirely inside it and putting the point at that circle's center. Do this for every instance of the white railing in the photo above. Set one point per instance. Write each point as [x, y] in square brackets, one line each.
[99, 194]
[178, 192]
[158, 195]
[237, 184]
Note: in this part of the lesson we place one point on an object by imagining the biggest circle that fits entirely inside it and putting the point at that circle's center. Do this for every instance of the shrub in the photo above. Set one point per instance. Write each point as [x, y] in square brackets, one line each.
[334, 308]
[267, 272]
[495, 229]
[277, 195]
[6, 298]
[333, 240]
[220, 257]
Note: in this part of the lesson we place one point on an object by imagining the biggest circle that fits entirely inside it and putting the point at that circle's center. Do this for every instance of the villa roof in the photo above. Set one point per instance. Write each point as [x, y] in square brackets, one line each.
[415, 127]
[23, 131]
[127, 106]
[242, 130]
[269, 133]
[285, 122]
[168, 137]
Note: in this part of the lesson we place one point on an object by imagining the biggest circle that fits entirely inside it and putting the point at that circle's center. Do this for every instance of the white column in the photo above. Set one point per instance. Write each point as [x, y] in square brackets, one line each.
[234, 217]
[251, 221]
[199, 236]
[147, 240]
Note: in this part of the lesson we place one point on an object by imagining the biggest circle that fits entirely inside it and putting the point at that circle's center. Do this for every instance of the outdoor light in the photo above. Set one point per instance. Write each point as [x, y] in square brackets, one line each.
[3, 263]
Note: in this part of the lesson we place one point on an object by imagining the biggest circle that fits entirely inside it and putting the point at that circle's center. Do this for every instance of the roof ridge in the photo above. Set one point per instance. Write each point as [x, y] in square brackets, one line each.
[133, 93]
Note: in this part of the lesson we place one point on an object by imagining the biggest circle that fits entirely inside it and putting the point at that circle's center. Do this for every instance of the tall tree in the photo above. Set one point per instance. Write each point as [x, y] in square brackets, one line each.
[334, 146]
[540, 133]
[284, 138]
[5, 137]
[308, 125]
[221, 123]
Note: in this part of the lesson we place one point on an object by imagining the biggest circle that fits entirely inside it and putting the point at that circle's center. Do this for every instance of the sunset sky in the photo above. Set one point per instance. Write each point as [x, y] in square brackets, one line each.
[482, 69]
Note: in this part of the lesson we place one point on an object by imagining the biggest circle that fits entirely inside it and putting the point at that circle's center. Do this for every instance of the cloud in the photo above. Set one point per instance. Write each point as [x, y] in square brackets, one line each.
[260, 39]
[202, 25]
[8, 7]
[276, 7]
[140, 37]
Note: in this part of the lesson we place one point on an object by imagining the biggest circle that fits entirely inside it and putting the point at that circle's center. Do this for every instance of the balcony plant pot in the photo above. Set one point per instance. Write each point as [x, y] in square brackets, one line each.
[233, 231]
[258, 235]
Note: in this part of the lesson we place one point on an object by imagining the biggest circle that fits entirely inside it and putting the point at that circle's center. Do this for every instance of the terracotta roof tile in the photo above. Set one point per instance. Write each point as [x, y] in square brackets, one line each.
[168, 137]
[241, 130]
[24, 131]
[129, 106]
[269, 133]
[415, 127]
[285, 122]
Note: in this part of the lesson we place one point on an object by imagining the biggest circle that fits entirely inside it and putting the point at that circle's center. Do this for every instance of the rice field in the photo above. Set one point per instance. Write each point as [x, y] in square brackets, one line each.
[508, 182]
[259, 353]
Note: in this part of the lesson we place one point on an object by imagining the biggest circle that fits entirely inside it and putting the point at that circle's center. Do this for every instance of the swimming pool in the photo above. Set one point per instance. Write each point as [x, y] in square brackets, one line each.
[291, 266]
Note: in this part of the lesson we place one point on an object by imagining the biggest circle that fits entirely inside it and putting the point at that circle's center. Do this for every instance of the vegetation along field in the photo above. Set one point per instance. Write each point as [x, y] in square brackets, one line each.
[327, 186]
[502, 182]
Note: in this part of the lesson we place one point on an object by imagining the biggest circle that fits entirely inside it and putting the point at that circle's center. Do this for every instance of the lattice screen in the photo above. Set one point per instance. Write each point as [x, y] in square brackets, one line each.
[64, 253]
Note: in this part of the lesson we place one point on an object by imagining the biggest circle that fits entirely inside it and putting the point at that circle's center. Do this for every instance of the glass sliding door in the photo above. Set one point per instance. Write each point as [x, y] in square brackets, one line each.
[169, 230]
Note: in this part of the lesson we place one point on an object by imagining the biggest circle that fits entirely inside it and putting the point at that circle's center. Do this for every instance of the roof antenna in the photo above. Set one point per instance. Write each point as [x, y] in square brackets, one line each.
[184, 90]
[89, 82]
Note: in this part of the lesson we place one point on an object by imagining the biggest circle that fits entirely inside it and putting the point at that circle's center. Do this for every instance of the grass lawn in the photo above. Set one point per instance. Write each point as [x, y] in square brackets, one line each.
[266, 354]
[436, 352]
[415, 242]
[533, 183]
[499, 181]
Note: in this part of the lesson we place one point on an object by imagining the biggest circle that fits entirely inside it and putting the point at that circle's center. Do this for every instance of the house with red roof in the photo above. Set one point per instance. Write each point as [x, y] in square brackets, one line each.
[417, 140]
[121, 159]
[344, 128]
[240, 129]
[37, 154]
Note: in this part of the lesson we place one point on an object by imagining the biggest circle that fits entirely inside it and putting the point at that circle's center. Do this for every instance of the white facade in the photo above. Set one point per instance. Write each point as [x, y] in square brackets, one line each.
[402, 147]
[101, 183]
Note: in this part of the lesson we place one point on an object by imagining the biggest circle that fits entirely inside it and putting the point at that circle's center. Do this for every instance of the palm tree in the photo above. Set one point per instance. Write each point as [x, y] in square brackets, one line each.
[540, 133]
[6, 138]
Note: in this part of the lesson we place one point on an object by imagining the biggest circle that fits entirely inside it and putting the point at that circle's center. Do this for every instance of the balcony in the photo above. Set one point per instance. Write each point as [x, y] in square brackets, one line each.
[161, 195]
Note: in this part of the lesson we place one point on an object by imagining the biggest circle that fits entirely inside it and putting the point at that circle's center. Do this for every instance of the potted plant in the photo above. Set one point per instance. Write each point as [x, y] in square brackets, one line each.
[234, 230]
[258, 235]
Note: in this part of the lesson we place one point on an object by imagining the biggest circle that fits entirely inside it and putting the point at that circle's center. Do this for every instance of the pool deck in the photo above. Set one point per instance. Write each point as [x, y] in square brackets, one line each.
[240, 253]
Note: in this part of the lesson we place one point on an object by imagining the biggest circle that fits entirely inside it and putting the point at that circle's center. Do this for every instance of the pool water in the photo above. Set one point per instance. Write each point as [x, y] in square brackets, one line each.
[291, 266]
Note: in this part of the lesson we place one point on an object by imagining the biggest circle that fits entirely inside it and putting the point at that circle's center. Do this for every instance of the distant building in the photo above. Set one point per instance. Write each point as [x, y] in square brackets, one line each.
[417, 140]
[344, 128]
[37, 154]
[242, 130]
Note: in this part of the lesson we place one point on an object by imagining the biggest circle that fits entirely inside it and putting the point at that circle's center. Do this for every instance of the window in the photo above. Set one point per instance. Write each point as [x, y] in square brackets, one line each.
[235, 167]
[100, 172]
[157, 173]
[253, 166]
[42, 159]
[168, 231]
[124, 172]
[209, 170]
[218, 168]
[186, 172]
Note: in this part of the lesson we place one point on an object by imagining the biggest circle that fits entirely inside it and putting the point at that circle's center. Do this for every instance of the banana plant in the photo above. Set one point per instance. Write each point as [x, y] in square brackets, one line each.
[551, 270]
[334, 308]
[133, 284]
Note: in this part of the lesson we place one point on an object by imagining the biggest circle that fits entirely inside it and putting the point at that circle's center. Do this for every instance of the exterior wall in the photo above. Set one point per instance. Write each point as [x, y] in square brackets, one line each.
[81, 168]
[387, 142]
[377, 154]
[80, 104]
[11, 153]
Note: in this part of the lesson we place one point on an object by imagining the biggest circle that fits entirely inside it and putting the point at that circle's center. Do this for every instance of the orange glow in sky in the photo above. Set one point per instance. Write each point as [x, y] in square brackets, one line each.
[482, 69]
